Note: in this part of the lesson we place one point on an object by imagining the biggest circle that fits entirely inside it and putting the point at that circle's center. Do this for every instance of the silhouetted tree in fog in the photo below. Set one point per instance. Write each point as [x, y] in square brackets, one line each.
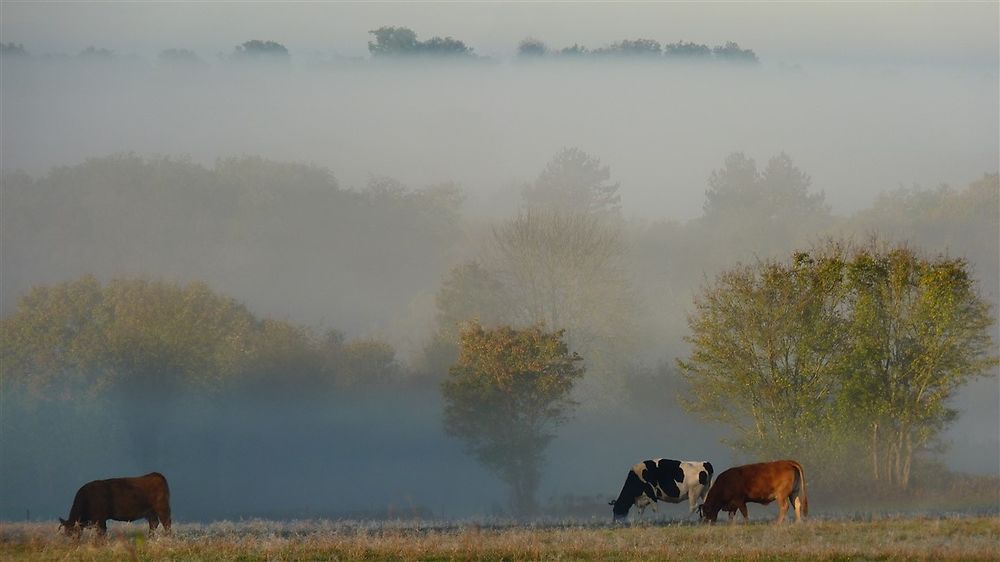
[402, 41]
[531, 48]
[687, 50]
[731, 52]
[258, 50]
[12, 49]
[575, 182]
[764, 213]
[505, 396]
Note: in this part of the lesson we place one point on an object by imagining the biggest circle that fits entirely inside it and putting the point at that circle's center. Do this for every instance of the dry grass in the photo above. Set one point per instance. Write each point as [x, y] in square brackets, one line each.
[965, 538]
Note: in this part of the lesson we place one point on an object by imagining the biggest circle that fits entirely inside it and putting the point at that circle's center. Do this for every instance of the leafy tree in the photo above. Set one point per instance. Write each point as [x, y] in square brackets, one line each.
[767, 212]
[504, 398]
[258, 50]
[768, 345]
[919, 332]
[365, 362]
[136, 341]
[574, 51]
[13, 49]
[469, 291]
[531, 48]
[393, 41]
[632, 47]
[687, 50]
[959, 221]
[731, 52]
[397, 41]
[575, 182]
[806, 358]
[567, 271]
[444, 46]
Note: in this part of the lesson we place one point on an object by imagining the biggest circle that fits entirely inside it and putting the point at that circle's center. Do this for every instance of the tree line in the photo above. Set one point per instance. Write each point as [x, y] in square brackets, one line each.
[809, 349]
[390, 42]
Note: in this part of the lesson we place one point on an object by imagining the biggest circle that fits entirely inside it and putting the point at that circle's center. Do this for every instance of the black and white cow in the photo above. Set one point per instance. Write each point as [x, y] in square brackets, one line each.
[663, 480]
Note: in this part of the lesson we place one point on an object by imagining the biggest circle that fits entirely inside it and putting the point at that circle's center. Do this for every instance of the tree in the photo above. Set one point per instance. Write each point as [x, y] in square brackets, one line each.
[632, 47]
[768, 345]
[504, 398]
[469, 291]
[397, 41]
[919, 331]
[393, 41]
[575, 182]
[567, 271]
[839, 347]
[258, 50]
[531, 48]
[731, 52]
[13, 49]
[687, 50]
[767, 213]
[135, 342]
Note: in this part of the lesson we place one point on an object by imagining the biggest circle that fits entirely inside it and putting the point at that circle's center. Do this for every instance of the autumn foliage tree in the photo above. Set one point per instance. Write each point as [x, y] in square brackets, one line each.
[505, 396]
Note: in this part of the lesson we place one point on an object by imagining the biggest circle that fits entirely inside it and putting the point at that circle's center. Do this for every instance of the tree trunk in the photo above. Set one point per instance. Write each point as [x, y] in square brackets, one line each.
[875, 451]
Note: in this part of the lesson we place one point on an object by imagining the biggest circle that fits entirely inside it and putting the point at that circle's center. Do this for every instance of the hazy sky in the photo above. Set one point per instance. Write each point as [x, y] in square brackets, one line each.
[778, 32]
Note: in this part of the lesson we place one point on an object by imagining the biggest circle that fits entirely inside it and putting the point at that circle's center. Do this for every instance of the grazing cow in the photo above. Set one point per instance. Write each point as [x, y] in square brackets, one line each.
[662, 479]
[758, 483]
[122, 499]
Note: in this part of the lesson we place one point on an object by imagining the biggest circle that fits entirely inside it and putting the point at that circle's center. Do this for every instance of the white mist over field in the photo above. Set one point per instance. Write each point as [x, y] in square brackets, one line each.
[662, 128]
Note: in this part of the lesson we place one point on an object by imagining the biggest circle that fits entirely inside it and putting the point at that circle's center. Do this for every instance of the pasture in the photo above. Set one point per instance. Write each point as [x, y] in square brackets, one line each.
[975, 537]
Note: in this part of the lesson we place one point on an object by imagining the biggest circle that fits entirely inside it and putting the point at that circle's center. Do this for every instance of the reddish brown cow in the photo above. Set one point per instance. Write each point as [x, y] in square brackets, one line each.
[758, 483]
[122, 499]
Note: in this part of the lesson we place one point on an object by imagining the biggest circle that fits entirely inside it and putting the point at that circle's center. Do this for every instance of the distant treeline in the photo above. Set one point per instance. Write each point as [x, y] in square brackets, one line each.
[397, 42]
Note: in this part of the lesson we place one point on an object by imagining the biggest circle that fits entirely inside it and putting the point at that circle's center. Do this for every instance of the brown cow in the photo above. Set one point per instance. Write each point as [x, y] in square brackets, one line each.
[122, 499]
[758, 483]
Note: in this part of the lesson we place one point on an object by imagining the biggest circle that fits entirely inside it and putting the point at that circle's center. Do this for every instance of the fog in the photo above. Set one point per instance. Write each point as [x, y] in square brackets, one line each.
[492, 126]
[134, 167]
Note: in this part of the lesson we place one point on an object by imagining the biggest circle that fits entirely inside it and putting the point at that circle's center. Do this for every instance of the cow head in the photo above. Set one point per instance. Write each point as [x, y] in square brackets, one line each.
[619, 511]
[707, 514]
[70, 529]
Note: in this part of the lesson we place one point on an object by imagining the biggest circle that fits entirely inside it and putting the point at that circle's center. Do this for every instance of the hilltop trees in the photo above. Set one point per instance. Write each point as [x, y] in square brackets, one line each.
[804, 357]
[505, 396]
[402, 41]
[258, 50]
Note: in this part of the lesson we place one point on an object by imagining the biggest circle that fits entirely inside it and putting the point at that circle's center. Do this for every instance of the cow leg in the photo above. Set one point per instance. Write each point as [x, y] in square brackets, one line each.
[153, 522]
[692, 505]
[743, 510]
[782, 508]
[797, 502]
[102, 527]
[163, 514]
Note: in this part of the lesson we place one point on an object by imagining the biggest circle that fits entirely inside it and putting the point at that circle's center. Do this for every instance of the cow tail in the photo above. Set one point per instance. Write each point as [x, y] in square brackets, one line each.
[805, 498]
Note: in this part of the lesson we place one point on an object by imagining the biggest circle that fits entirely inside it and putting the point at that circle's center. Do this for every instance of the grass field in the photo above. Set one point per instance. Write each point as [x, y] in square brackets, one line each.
[910, 538]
